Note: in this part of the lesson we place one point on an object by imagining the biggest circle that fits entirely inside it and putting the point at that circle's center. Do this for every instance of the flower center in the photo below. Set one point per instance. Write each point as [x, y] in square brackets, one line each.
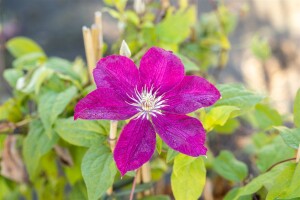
[147, 102]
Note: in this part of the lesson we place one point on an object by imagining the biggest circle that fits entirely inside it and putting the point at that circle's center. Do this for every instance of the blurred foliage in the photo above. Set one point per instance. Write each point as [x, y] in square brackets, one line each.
[260, 48]
[56, 157]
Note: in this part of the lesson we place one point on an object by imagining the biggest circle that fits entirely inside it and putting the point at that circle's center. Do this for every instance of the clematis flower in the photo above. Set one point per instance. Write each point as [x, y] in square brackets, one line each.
[156, 98]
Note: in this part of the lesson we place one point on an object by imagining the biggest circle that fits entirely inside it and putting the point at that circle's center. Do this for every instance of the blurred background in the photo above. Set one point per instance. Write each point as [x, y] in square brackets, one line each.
[56, 26]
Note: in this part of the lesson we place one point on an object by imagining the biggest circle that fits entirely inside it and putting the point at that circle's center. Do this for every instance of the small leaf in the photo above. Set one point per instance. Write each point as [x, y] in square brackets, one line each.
[62, 66]
[35, 81]
[29, 61]
[290, 136]
[237, 95]
[228, 167]
[51, 105]
[265, 117]
[12, 76]
[10, 110]
[273, 153]
[80, 132]
[36, 144]
[20, 46]
[171, 154]
[120, 4]
[218, 116]
[297, 109]
[188, 64]
[98, 171]
[159, 144]
[167, 30]
[188, 177]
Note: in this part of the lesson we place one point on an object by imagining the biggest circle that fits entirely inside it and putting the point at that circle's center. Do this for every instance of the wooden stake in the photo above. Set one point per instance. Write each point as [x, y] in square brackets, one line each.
[99, 40]
[113, 134]
[146, 176]
[89, 50]
[95, 38]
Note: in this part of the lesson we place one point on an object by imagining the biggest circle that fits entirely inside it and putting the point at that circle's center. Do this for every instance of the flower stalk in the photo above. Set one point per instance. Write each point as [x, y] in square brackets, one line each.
[134, 184]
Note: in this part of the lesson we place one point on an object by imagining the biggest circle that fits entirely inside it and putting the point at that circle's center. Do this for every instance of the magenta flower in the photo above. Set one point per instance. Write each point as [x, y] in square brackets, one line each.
[156, 97]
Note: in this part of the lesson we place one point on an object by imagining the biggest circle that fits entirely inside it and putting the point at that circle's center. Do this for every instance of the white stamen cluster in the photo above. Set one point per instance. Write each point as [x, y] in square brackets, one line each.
[147, 102]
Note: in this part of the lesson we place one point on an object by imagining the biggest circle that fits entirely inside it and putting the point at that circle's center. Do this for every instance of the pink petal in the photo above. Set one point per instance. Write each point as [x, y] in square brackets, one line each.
[182, 133]
[104, 103]
[191, 94]
[161, 69]
[118, 73]
[135, 146]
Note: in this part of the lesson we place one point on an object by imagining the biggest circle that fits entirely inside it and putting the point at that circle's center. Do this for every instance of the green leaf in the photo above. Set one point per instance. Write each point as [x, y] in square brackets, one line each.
[293, 189]
[36, 144]
[159, 144]
[282, 182]
[35, 81]
[73, 173]
[62, 66]
[263, 180]
[29, 61]
[109, 2]
[228, 128]
[228, 167]
[188, 64]
[188, 177]
[168, 31]
[290, 136]
[51, 105]
[297, 109]
[80, 132]
[119, 4]
[20, 46]
[12, 76]
[262, 139]
[5, 189]
[81, 70]
[270, 154]
[10, 110]
[265, 117]
[237, 95]
[171, 154]
[218, 116]
[78, 192]
[98, 171]
[132, 17]
[234, 192]
[158, 197]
